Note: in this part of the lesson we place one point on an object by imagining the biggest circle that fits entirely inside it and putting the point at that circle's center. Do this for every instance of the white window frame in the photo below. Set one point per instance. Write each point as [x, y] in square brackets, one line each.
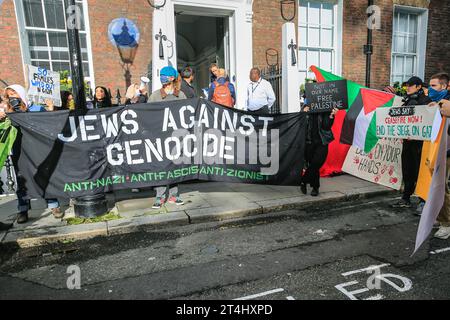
[25, 47]
[422, 33]
[336, 50]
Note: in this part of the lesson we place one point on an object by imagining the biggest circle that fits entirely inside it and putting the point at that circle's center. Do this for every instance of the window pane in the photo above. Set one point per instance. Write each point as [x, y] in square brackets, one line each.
[398, 65]
[314, 13]
[326, 60]
[54, 12]
[403, 22]
[314, 37]
[303, 63]
[409, 66]
[58, 39]
[412, 44]
[83, 42]
[313, 58]
[80, 6]
[34, 16]
[303, 37]
[303, 15]
[42, 64]
[400, 43]
[61, 66]
[86, 70]
[413, 21]
[39, 54]
[60, 55]
[37, 39]
[327, 38]
[327, 14]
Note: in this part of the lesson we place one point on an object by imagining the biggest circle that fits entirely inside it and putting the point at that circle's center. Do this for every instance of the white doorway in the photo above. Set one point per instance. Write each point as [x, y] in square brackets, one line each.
[185, 23]
[198, 52]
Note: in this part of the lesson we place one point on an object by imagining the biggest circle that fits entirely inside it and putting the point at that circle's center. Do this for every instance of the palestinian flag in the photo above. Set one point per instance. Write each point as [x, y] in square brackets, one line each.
[359, 127]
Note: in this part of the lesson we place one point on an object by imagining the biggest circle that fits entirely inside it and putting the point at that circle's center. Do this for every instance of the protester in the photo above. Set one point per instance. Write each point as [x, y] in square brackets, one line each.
[222, 91]
[412, 149]
[260, 94]
[187, 75]
[17, 101]
[136, 94]
[168, 92]
[102, 98]
[438, 87]
[318, 137]
[439, 93]
[67, 101]
[214, 72]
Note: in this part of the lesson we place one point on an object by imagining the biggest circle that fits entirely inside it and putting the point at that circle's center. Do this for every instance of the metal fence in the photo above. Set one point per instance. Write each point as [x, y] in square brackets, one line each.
[273, 75]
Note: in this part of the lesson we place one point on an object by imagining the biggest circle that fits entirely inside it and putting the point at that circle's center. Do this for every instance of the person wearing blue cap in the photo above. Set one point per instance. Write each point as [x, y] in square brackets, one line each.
[169, 92]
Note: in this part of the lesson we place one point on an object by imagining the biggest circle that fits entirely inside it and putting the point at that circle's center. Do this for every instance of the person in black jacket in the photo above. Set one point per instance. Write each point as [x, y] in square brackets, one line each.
[412, 149]
[318, 137]
[187, 76]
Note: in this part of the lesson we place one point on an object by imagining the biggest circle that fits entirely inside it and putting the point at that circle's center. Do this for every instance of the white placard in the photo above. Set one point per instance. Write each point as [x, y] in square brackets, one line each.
[383, 165]
[415, 123]
[43, 84]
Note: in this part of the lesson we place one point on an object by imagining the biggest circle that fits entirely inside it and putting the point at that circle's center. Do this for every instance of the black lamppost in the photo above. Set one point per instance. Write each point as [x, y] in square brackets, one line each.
[92, 205]
[73, 21]
[368, 49]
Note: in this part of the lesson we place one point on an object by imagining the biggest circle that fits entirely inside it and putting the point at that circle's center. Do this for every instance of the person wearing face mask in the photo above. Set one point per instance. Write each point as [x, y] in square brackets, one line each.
[168, 92]
[17, 101]
[438, 87]
[412, 149]
[102, 98]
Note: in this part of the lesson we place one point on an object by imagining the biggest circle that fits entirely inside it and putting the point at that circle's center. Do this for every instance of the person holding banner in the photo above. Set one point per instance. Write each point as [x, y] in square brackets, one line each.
[17, 101]
[102, 98]
[412, 149]
[168, 75]
[318, 137]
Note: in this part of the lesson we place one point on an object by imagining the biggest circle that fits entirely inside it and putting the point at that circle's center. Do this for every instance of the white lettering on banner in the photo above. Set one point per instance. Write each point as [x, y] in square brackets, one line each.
[373, 283]
[230, 142]
[415, 123]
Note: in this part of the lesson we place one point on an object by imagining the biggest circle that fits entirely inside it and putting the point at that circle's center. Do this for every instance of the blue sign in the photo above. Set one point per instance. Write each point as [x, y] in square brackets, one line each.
[124, 33]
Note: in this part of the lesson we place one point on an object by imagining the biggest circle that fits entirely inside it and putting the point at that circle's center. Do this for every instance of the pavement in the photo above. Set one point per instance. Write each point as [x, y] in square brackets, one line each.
[204, 202]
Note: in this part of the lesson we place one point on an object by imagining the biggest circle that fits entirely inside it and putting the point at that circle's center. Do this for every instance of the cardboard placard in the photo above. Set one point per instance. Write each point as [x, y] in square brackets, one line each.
[324, 96]
[415, 123]
[383, 165]
[43, 84]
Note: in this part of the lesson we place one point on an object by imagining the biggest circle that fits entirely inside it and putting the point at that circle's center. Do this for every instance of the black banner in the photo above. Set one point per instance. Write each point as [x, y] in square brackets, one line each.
[324, 96]
[80, 153]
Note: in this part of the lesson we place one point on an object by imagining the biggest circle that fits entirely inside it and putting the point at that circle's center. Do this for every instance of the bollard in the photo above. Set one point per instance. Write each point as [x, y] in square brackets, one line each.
[91, 206]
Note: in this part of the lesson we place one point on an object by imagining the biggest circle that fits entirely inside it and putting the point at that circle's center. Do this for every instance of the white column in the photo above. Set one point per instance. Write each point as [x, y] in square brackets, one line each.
[291, 79]
[242, 50]
[163, 19]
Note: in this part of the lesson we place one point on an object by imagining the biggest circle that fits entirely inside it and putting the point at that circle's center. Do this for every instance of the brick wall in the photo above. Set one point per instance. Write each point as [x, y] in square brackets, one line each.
[11, 66]
[438, 46]
[267, 24]
[107, 64]
[355, 37]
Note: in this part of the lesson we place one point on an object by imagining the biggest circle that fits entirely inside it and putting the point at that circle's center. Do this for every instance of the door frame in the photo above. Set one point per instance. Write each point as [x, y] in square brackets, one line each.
[241, 47]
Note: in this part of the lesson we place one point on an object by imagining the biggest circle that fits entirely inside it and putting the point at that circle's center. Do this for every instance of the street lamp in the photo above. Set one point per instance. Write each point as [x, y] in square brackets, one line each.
[124, 35]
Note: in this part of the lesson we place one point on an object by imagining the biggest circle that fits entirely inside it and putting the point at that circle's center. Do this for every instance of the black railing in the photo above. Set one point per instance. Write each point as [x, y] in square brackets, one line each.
[273, 75]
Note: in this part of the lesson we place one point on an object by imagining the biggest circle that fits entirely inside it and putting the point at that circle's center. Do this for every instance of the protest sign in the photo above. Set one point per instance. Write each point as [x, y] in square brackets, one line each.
[43, 84]
[383, 165]
[324, 96]
[71, 154]
[415, 123]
